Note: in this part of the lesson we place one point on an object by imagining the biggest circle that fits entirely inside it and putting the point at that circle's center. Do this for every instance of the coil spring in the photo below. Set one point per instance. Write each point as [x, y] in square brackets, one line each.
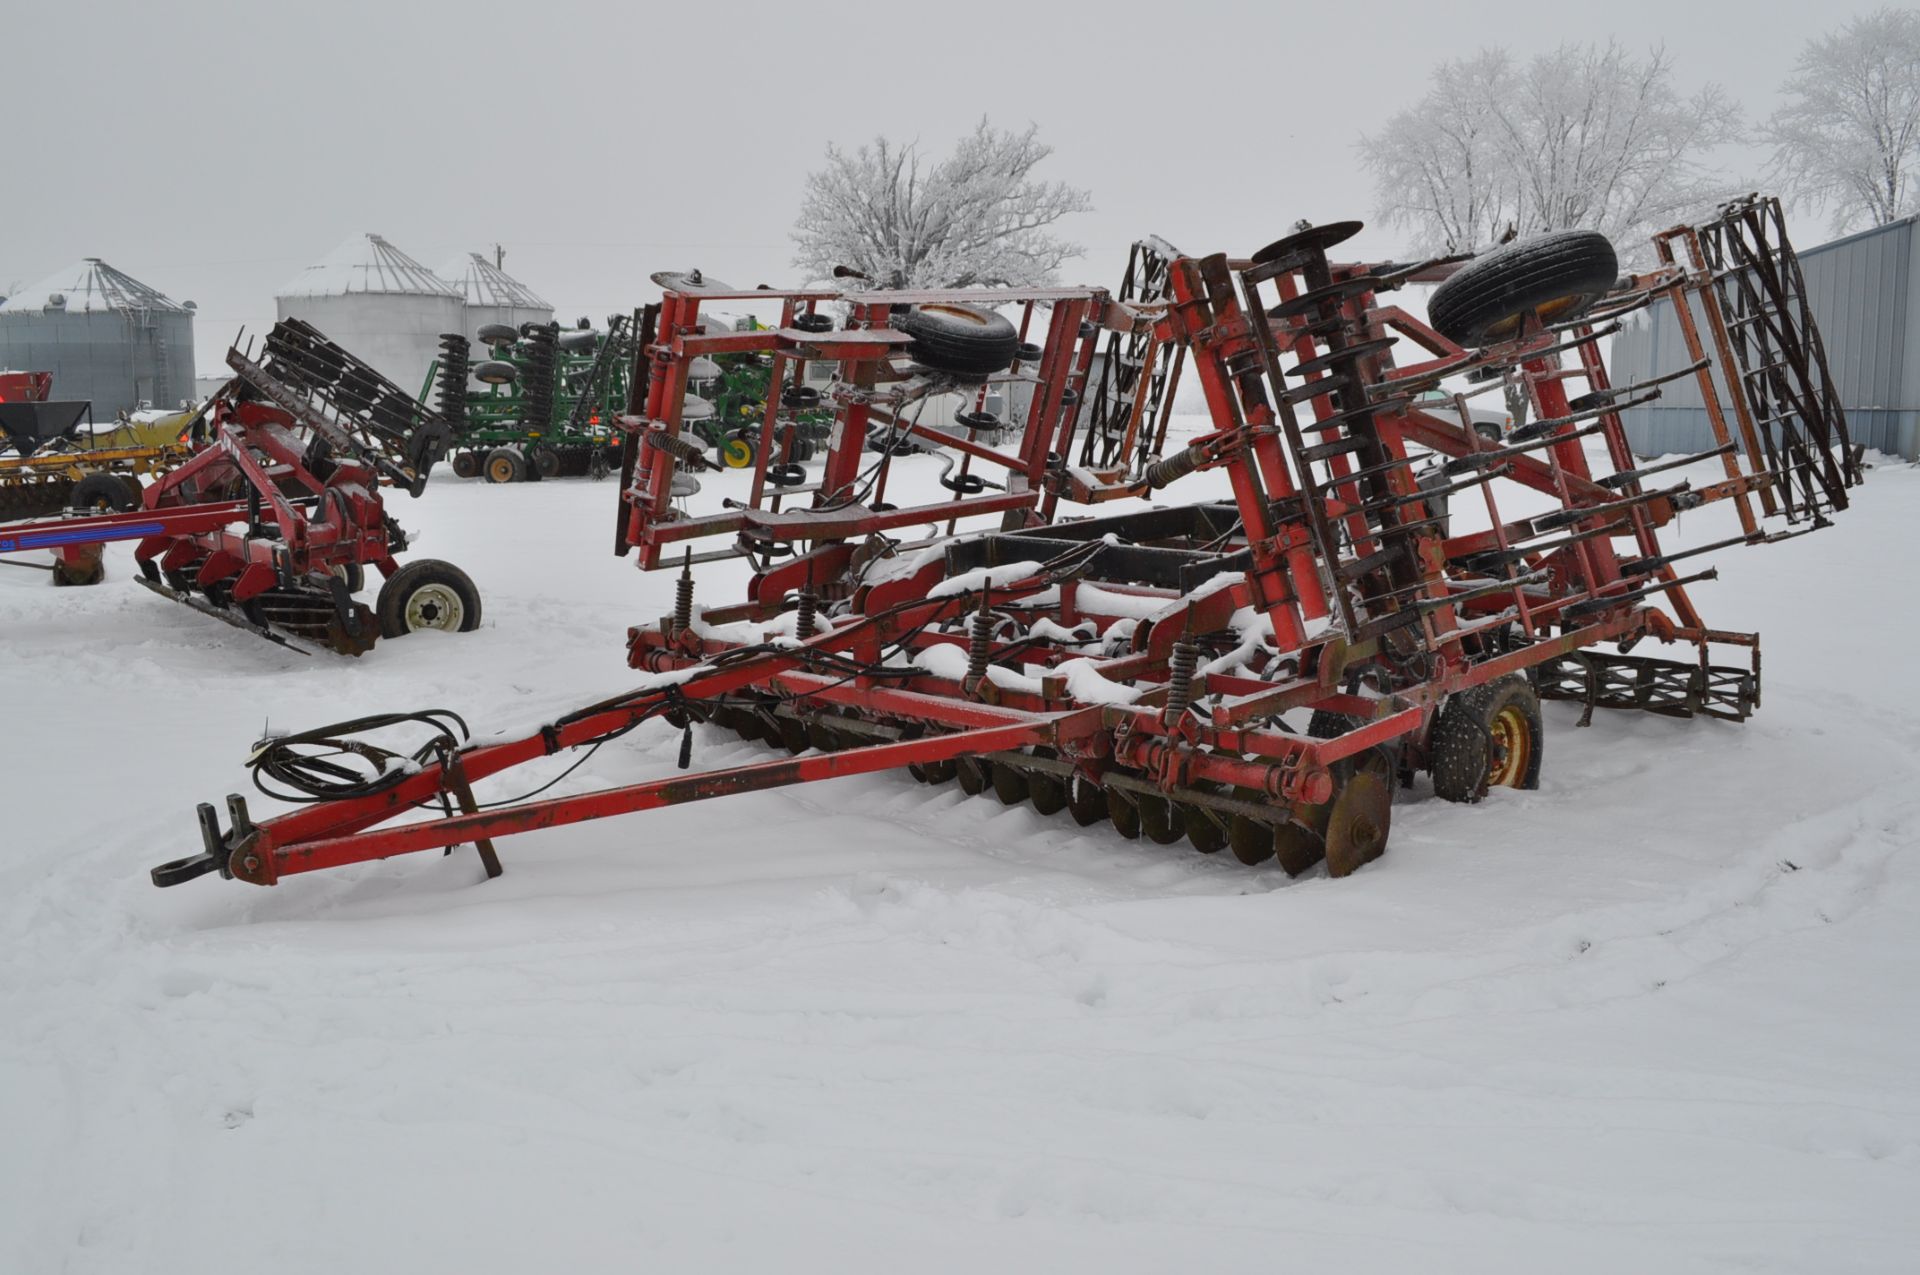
[677, 447]
[683, 599]
[1185, 658]
[803, 620]
[979, 644]
[1179, 465]
[450, 394]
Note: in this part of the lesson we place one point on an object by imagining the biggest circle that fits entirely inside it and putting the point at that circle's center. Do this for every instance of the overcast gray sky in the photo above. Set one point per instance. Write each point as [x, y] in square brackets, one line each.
[213, 150]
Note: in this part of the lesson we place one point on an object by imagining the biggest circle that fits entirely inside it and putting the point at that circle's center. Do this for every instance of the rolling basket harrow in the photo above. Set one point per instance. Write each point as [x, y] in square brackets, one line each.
[1255, 673]
[271, 523]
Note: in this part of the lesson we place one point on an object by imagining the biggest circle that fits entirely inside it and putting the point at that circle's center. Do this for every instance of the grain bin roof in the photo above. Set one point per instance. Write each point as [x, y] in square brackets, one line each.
[367, 263]
[486, 284]
[90, 286]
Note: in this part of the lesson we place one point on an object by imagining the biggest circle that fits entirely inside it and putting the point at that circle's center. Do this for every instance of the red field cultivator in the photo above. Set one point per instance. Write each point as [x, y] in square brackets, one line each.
[1257, 673]
[272, 522]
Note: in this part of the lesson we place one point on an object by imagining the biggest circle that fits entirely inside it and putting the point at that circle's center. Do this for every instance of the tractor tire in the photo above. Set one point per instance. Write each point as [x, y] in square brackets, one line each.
[466, 464]
[428, 594]
[1489, 736]
[101, 493]
[506, 465]
[958, 338]
[546, 461]
[496, 372]
[1559, 276]
[498, 334]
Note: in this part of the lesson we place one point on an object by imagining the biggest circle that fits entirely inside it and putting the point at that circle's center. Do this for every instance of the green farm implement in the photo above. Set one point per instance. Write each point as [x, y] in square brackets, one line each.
[540, 404]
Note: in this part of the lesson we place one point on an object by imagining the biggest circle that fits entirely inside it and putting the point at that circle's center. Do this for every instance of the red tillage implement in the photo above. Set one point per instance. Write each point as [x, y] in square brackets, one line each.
[1256, 674]
[272, 522]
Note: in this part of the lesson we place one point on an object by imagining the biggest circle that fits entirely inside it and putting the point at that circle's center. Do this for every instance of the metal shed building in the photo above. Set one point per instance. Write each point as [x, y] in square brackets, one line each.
[1862, 290]
[379, 303]
[104, 335]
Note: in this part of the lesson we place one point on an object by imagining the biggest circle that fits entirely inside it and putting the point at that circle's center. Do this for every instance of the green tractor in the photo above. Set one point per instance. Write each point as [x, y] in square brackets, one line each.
[547, 405]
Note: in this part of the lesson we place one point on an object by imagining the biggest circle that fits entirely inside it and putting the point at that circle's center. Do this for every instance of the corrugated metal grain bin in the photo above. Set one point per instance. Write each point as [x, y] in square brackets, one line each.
[104, 335]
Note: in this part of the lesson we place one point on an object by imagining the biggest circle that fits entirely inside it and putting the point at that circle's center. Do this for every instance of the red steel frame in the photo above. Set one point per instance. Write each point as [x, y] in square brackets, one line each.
[1377, 614]
[249, 513]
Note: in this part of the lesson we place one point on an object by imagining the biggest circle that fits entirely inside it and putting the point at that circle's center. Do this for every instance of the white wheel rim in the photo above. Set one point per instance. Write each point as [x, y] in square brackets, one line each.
[435, 606]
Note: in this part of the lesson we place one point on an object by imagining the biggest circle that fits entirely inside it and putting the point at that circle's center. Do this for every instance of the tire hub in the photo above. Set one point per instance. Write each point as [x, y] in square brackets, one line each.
[435, 606]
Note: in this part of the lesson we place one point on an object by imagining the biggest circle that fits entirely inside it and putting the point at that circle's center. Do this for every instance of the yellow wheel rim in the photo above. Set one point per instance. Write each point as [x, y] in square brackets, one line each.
[1512, 736]
[737, 454]
[500, 469]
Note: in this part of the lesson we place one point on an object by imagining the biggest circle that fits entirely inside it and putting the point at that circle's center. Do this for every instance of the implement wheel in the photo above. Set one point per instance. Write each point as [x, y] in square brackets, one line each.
[958, 338]
[102, 493]
[1557, 276]
[428, 594]
[546, 461]
[506, 465]
[1487, 737]
[465, 464]
[736, 453]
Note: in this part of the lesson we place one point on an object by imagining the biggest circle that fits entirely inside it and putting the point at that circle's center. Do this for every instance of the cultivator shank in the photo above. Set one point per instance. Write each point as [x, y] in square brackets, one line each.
[1348, 605]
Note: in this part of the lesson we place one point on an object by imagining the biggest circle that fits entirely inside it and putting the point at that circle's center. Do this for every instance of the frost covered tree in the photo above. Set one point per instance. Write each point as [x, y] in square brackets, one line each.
[1848, 134]
[1584, 137]
[977, 218]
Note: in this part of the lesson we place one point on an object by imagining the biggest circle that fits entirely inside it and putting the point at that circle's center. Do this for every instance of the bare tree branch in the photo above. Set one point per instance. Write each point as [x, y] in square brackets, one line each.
[1586, 136]
[978, 218]
[1848, 135]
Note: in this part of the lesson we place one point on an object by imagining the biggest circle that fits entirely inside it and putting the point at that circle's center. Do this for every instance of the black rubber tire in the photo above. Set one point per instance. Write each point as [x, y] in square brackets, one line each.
[813, 322]
[353, 575]
[1489, 431]
[1460, 751]
[414, 598]
[465, 464]
[546, 461]
[139, 493]
[102, 492]
[498, 334]
[1560, 274]
[505, 465]
[495, 372]
[958, 338]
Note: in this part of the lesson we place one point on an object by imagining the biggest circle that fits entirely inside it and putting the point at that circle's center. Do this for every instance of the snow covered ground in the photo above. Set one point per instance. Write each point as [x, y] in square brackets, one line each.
[1660, 1015]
